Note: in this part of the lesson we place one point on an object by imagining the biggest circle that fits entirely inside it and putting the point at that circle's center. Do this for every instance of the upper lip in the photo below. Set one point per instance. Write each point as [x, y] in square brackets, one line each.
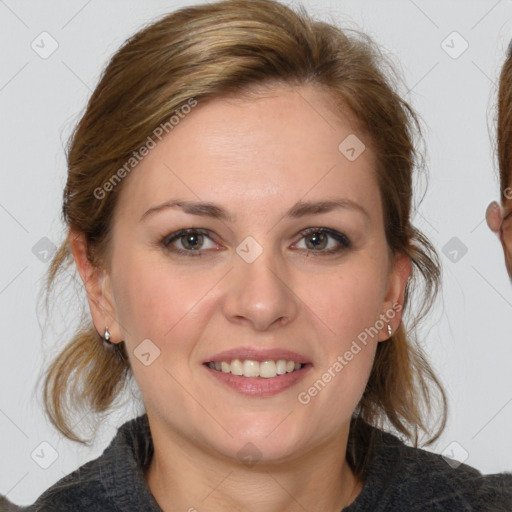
[257, 354]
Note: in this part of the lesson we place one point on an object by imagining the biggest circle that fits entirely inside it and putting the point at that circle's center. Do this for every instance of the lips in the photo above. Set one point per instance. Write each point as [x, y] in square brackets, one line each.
[256, 372]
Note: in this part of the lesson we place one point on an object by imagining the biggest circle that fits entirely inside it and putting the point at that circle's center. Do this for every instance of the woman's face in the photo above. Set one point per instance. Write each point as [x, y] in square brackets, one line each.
[247, 281]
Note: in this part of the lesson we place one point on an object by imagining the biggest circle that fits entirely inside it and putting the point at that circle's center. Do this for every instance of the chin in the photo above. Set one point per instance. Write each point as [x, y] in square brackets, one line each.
[272, 440]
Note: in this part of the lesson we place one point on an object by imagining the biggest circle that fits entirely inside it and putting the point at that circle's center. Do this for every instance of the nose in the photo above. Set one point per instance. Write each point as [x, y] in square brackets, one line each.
[260, 294]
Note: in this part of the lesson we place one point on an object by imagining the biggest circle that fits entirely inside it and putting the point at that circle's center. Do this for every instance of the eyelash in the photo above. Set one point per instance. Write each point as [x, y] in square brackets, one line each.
[341, 238]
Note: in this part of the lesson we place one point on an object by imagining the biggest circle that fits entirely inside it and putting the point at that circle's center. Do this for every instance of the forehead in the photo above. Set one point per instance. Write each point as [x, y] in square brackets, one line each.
[281, 143]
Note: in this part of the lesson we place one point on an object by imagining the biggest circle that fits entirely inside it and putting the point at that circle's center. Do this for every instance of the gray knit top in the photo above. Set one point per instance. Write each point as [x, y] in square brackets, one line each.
[397, 478]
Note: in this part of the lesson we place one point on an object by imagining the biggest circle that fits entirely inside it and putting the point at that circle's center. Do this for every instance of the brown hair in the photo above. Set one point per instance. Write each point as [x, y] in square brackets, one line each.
[224, 49]
[505, 125]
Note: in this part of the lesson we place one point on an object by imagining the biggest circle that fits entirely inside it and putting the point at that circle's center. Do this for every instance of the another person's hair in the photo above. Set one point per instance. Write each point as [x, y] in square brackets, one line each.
[504, 138]
[227, 49]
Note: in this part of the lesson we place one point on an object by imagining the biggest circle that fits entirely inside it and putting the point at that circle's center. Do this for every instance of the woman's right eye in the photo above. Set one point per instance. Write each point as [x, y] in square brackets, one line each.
[190, 242]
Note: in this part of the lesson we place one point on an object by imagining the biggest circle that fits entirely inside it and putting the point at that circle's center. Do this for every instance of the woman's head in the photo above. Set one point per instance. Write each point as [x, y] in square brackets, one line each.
[259, 112]
[498, 215]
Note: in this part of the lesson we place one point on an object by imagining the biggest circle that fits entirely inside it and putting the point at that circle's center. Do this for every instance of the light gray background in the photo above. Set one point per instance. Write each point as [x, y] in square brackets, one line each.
[468, 338]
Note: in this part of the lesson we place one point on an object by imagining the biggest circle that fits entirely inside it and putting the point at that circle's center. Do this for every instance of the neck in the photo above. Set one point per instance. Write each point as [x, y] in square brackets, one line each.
[185, 477]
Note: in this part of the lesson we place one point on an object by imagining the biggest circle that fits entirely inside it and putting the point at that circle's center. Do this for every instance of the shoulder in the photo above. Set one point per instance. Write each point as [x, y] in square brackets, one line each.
[437, 483]
[105, 483]
[80, 490]
[400, 477]
[7, 506]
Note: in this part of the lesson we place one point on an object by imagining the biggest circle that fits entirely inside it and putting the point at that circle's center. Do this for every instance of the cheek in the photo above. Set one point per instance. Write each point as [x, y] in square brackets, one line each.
[144, 302]
[159, 302]
[347, 300]
[347, 303]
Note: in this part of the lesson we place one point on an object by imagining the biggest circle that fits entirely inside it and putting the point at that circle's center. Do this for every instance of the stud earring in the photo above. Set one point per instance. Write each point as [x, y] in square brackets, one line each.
[106, 336]
[390, 331]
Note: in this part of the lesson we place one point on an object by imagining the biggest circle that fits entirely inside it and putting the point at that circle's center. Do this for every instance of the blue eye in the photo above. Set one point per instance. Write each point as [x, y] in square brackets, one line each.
[194, 241]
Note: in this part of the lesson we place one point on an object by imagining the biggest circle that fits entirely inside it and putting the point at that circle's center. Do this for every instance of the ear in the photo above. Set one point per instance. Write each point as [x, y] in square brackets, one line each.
[393, 305]
[98, 288]
[493, 216]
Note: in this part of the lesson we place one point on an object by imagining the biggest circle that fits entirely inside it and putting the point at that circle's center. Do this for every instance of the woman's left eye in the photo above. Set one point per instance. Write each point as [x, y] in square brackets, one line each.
[317, 240]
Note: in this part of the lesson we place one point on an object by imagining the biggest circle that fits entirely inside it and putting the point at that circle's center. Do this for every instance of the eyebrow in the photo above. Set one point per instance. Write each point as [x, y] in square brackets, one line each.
[298, 210]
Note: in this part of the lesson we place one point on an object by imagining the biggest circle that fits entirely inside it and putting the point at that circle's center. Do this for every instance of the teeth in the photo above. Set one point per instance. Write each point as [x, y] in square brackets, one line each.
[248, 368]
[251, 368]
[281, 367]
[268, 369]
[237, 368]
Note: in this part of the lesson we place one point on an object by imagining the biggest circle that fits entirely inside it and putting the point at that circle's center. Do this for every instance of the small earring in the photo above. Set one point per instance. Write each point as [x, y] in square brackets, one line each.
[106, 336]
[390, 331]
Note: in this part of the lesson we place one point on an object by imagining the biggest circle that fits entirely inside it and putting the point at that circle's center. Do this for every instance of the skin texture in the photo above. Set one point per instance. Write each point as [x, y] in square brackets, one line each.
[256, 158]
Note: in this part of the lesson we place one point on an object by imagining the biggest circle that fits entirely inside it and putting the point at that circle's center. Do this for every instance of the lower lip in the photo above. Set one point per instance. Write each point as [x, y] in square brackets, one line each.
[259, 386]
